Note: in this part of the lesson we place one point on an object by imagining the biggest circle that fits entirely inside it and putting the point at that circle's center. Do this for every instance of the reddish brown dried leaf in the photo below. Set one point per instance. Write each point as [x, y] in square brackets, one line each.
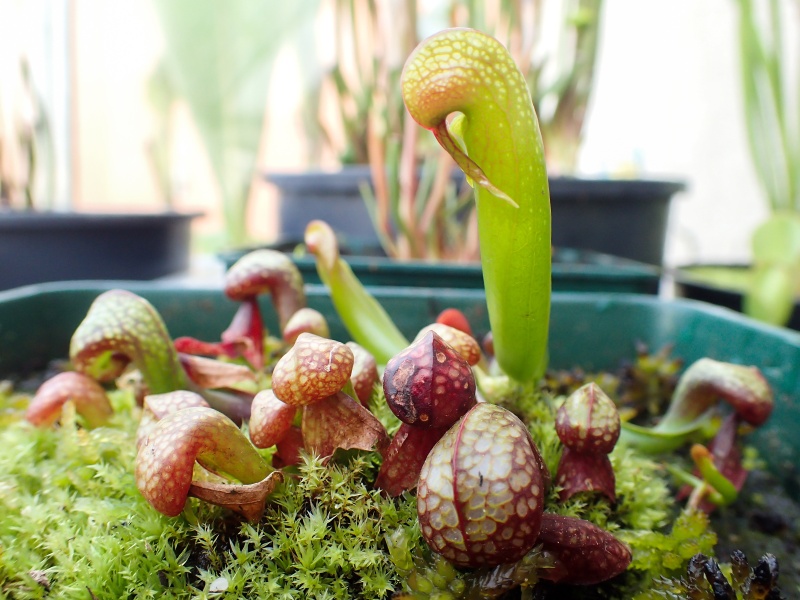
[193, 346]
[585, 553]
[248, 500]
[210, 373]
[341, 422]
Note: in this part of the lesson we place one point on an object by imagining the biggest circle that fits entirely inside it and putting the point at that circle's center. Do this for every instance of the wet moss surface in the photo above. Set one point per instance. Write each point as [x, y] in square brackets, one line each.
[75, 525]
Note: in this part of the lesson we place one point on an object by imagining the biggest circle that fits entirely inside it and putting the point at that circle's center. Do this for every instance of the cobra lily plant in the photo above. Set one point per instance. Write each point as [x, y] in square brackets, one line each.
[411, 468]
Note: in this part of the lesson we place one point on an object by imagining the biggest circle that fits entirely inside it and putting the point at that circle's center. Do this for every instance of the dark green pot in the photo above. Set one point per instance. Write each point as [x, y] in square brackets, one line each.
[573, 271]
[593, 331]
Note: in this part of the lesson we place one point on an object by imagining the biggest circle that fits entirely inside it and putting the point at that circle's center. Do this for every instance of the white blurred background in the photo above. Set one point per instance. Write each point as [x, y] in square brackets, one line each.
[667, 103]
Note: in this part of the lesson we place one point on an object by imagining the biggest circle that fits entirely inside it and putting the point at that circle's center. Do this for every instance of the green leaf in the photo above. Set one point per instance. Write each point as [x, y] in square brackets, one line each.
[771, 111]
[365, 319]
[219, 58]
[465, 71]
[771, 295]
[776, 255]
[777, 240]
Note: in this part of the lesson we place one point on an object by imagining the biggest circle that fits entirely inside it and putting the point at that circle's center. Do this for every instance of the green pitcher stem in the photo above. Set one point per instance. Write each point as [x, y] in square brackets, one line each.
[497, 142]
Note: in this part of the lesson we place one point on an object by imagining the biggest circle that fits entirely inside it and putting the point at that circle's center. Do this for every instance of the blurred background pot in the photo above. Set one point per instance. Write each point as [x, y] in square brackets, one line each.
[38, 247]
[622, 217]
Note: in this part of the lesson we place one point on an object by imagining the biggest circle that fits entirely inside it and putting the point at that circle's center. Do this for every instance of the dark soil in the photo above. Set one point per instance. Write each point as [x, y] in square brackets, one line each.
[765, 519]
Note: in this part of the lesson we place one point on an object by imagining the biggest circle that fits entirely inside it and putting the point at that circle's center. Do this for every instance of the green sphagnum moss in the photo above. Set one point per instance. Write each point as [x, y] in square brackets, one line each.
[75, 526]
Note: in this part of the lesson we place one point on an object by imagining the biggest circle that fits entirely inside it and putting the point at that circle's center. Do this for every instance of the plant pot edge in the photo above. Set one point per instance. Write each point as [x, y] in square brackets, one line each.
[587, 329]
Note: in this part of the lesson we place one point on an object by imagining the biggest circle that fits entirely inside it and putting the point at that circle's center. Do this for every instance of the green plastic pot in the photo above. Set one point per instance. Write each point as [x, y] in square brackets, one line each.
[594, 331]
[573, 271]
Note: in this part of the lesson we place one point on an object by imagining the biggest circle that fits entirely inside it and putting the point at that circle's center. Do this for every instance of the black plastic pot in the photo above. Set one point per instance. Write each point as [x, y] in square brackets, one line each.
[40, 247]
[334, 197]
[625, 218]
[622, 217]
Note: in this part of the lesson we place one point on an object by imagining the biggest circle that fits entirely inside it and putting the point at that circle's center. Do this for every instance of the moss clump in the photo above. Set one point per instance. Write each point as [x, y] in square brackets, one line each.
[75, 521]
[75, 525]
[322, 536]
